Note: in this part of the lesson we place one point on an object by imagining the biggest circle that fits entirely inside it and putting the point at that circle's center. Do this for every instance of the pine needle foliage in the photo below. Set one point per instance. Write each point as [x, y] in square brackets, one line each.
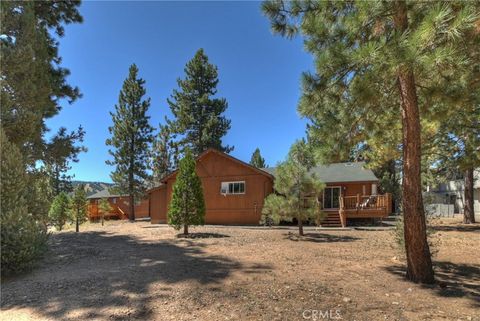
[23, 237]
[79, 206]
[60, 212]
[297, 191]
[375, 82]
[187, 206]
[257, 160]
[104, 207]
[131, 140]
[198, 121]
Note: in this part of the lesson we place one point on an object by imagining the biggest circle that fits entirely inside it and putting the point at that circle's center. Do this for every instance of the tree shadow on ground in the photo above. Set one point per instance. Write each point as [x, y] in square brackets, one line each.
[453, 280]
[201, 236]
[319, 237]
[457, 228]
[101, 275]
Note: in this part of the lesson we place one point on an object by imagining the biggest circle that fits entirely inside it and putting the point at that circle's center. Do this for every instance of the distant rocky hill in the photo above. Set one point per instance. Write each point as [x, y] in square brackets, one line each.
[92, 187]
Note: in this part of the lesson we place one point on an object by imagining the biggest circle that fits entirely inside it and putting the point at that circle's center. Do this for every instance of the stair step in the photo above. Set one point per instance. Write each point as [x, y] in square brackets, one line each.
[331, 220]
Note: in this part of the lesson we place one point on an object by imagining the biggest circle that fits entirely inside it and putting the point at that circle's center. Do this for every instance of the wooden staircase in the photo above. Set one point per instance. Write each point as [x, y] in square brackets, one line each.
[332, 219]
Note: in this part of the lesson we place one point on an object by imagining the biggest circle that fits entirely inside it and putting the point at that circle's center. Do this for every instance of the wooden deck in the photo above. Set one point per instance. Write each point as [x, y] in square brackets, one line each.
[95, 214]
[364, 206]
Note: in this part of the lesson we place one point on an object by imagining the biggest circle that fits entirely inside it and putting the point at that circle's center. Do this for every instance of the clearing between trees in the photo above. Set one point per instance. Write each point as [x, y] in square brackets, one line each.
[126, 271]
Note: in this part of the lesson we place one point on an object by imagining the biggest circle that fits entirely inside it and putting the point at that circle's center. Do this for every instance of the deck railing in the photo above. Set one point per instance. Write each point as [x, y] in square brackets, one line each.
[364, 204]
[95, 213]
[366, 201]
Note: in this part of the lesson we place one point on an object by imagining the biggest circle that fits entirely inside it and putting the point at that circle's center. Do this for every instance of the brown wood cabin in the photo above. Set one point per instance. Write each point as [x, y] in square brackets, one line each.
[235, 191]
[120, 206]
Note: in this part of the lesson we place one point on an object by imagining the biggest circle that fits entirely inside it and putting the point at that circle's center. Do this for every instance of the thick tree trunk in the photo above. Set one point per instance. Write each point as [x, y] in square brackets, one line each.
[468, 210]
[419, 261]
[185, 229]
[300, 227]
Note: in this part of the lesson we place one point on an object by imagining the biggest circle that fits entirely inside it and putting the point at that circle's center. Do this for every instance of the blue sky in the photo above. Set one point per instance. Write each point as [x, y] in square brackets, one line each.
[259, 72]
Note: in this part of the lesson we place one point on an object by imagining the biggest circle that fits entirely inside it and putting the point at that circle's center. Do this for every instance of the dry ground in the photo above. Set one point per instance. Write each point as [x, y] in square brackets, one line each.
[127, 271]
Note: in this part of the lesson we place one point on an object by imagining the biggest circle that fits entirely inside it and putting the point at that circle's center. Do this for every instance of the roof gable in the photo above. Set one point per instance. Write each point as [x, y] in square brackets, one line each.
[212, 151]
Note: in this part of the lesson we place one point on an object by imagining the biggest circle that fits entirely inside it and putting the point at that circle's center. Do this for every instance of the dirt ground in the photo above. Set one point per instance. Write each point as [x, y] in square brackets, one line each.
[139, 271]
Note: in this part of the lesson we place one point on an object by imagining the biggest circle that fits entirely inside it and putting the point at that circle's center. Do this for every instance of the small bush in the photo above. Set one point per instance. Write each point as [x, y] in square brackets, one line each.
[60, 211]
[23, 241]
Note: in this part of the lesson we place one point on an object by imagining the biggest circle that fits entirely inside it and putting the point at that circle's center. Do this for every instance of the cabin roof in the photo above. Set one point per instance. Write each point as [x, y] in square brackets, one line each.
[104, 193]
[339, 172]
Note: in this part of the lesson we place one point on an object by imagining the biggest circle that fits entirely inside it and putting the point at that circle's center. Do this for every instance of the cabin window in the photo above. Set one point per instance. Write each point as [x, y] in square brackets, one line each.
[331, 197]
[232, 188]
[114, 200]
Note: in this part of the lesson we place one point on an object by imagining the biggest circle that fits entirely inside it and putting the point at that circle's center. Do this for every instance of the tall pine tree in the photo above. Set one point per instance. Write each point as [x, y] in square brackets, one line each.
[198, 122]
[33, 85]
[33, 82]
[257, 160]
[372, 61]
[455, 146]
[131, 140]
[61, 151]
[161, 155]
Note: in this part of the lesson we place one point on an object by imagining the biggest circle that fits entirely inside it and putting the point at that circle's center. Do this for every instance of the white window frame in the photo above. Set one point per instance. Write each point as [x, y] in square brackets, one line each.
[340, 194]
[227, 184]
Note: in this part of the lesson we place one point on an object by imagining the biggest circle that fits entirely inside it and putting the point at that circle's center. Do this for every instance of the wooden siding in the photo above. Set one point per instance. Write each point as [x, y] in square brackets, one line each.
[213, 168]
[121, 208]
[158, 205]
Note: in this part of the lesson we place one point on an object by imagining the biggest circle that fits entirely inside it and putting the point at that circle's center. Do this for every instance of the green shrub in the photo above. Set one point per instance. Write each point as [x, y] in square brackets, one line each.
[188, 205]
[23, 241]
[60, 211]
[23, 238]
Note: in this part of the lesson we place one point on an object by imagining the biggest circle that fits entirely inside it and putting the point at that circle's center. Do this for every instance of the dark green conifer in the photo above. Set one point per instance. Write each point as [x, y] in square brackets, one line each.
[198, 121]
[257, 160]
[131, 140]
[188, 205]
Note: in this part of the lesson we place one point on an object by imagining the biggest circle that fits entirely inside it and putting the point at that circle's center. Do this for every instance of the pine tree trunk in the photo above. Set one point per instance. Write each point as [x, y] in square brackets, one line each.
[419, 261]
[468, 210]
[300, 227]
[76, 223]
[185, 229]
[131, 215]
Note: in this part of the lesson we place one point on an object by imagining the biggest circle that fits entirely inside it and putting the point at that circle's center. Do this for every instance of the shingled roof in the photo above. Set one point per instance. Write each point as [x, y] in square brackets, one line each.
[339, 172]
[104, 193]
